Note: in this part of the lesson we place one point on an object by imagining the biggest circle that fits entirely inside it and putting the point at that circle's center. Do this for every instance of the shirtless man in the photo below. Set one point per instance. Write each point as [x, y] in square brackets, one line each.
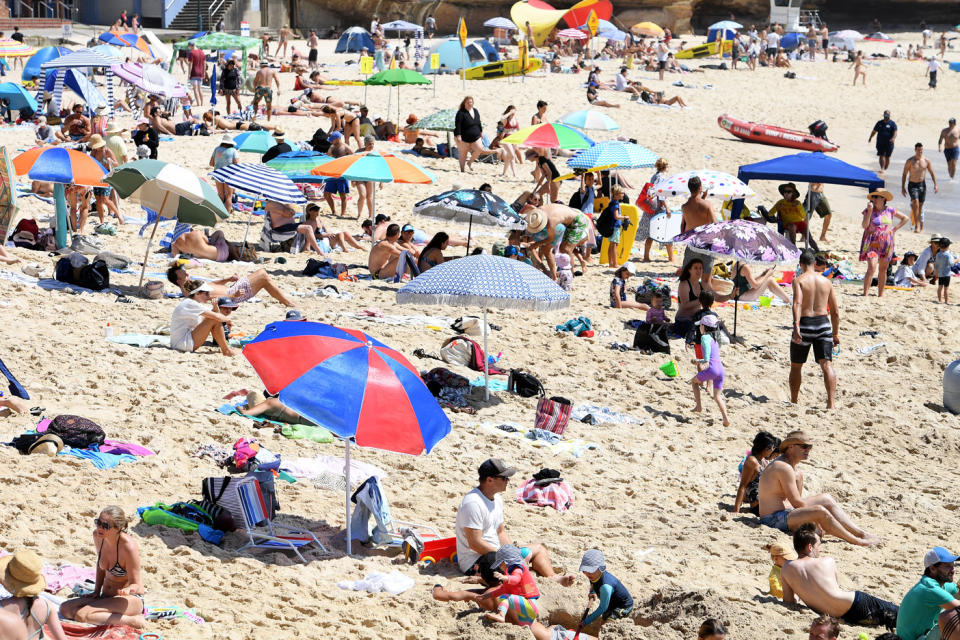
[76, 126]
[195, 243]
[916, 168]
[697, 211]
[384, 259]
[542, 225]
[813, 578]
[948, 144]
[215, 120]
[812, 297]
[339, 186]
[241, 288]
[262, 89]
[783, 507]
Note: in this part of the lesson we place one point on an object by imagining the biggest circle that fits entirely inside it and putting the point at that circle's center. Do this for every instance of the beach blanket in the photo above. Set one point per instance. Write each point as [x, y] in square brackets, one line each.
[99, 460]
[112, 632]
[495, 383]
[63, 576]
[575, 447]
[117, 447]
[558, 495]
[149, 340]
[292, 431]
[602, 414]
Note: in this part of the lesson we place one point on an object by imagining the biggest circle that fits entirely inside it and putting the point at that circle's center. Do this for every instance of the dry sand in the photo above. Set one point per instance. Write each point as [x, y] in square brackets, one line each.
[884, 453]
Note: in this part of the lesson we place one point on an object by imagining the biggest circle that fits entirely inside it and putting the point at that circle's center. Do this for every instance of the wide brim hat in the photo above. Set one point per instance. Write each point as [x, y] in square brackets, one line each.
[21, 574]
[795, 437]
[883, 193]
[115, 128]
[97, 141]
[788, 185]
[536, 220]
[49, 443]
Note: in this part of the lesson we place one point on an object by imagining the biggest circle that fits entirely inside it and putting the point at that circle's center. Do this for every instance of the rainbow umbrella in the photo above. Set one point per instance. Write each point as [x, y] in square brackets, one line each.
[60, 166]
[350, 383]
[549, 135]
[132, 40]
[14, 49]
[373, 166]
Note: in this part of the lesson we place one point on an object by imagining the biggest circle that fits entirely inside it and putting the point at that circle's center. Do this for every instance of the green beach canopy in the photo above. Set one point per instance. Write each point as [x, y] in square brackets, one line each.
[220, 41]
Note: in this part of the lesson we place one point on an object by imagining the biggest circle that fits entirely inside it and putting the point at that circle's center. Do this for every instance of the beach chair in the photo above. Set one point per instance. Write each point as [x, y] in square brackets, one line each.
[371, 501]
[275, 536]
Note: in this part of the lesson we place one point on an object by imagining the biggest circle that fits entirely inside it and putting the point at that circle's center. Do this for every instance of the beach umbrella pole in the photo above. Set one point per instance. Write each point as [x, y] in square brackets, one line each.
[60, 207]
[153, 232]
[736, 302]
[469, 231]
[346, 473]
[486, 360]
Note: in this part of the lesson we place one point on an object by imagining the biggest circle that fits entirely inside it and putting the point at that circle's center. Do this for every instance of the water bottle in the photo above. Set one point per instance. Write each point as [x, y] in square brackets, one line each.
[108, 332]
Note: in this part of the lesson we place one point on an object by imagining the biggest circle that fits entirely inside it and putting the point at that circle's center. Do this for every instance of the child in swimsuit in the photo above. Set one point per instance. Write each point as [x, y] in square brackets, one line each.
[714, 372]
[517, 594]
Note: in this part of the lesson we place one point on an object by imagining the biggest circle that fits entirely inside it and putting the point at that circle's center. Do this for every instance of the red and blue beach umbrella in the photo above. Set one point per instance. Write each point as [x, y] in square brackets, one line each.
[349, 383]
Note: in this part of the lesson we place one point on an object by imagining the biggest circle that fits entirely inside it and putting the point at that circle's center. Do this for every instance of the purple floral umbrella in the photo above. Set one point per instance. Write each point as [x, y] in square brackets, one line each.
[741, 240]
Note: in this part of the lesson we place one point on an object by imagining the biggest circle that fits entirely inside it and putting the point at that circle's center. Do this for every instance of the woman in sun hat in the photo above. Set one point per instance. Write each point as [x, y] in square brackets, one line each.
[24, 614]
[876, 246]
[115, 142]
[103, 155]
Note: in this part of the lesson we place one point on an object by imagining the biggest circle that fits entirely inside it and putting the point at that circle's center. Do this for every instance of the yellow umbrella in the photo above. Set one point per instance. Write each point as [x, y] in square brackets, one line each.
[647, 29]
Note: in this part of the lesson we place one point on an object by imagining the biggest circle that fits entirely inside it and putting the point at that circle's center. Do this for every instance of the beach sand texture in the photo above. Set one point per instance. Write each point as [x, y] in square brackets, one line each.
[885, 453]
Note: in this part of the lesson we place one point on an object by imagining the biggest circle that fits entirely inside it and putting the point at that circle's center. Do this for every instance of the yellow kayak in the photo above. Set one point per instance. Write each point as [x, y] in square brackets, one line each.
[501, 69]
[345, 83]
[704, 50]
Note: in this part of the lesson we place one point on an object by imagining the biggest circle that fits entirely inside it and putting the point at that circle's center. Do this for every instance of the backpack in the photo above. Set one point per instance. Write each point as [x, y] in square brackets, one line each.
[524, 384]
[95, 276]
[26, 234]
[76, 432]
[604, 222]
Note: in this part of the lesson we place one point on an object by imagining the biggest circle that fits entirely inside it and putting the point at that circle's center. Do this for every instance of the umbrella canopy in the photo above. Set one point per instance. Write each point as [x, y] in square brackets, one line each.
[151, 78]
[14, 49]
[615, 34]
[63, 166]
[18, 96]
[713, 183]
[350, 383]
[394, 77]
[375, 167]
[442, 120]
[31, 69]
[261, 181]
[726, 25]
[741, 240]
[401, 25]
[589, 119]
[847, 34]
[297, 165]
[131, 40]
[812, 166]
[80, 59]
[575, 34]
[647, 29]
[170, 190]
[464, 205]
[625, 155]
[549, 135]
[500, 23]
[255, 141]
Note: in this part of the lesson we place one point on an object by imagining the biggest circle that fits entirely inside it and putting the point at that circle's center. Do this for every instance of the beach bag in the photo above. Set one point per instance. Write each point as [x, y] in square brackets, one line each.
[604, 222]
[319, 141]
[26, 234]
[524, 384]
[153, 289]
[245, 454]
[553, 414]
[218, 492]
[95, 276]
[652, 337]
[457, 350]
[221, 518]
[472, 325]
[76, 431]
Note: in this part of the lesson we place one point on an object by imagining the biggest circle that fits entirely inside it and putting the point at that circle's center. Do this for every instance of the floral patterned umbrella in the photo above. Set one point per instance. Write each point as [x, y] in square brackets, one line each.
[714, 183]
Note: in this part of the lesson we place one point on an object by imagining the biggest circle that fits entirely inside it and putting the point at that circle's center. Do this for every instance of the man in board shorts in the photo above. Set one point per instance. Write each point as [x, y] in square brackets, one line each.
[815, 324]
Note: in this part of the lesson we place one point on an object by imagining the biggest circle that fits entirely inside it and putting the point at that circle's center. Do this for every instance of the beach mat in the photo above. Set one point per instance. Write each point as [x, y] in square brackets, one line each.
[15, 387]
[105, 632]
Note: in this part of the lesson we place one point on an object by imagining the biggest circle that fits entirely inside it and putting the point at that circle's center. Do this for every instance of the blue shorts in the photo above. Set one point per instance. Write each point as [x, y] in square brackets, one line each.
[615, 236]
[951, 153]
[777, 520]
[101, 191]
[336, 185]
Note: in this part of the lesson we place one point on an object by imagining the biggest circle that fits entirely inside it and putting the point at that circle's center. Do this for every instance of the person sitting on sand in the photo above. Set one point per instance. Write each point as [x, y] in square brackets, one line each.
[929, 611]
[746, 287]
[792, 214]
[24, 614]
[271, 409]
[407, 233]
[337, 239]
[388, 259]
[517, 594]
[813, 578]
[618, 289]
[282, 219]
[764, 448]
[242, 288]
[613, 599]
[593, 97]
[657, 97]
[780, 556]
[432, 253]
[713, 370]
[117, 596]
[783, 507]
[192, 322]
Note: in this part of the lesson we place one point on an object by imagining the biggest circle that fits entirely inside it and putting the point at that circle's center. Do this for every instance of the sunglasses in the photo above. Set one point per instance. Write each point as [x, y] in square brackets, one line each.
[805, 447]
[106, 526]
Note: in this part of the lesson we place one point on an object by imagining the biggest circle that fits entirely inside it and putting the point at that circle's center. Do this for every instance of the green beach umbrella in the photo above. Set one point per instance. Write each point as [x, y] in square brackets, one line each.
[442, 120]
[395, 78]
[297, 165]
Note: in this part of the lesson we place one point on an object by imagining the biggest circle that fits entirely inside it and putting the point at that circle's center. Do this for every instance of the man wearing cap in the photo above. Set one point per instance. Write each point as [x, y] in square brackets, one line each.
[406, 240]
[783, 507]
[481, 531]
[916, 168]
[697, 212]
[280, 146]
[262, 89]
[192, 321]
[886, 132]
[147, 136]
[931, 605]
[813, 578]
[948, 143]
[923, 267]
[816, 322]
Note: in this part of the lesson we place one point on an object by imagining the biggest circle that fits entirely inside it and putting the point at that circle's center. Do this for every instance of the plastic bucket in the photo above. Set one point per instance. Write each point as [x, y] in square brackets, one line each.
[787, 277]
[670, 369]
[765, 301]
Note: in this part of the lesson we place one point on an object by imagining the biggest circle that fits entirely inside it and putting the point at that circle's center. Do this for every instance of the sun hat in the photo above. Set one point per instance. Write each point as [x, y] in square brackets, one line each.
[788, 185]
[794, 437]
[495, 468]
[935, 237]
[48, 443]
[206, 286]
[114, 128]
[22, 574]
[778, 549]
[102, 109]
[279, 133]
[630, 267]
[931, 557]
[227, 139]
[709, 320]
[536, 220]
[509, 554]
[883, 193]
[294, 316]
[592, 561]
[96, 141]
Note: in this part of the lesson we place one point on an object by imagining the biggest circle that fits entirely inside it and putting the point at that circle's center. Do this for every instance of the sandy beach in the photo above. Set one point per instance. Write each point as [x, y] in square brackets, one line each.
[665, 485]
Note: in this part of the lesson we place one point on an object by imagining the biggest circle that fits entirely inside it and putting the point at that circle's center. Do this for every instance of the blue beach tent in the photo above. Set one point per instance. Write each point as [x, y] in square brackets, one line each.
[355, 40]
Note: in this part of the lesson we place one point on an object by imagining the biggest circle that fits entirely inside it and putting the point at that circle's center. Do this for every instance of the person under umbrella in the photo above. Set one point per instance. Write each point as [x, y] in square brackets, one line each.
[281, 146]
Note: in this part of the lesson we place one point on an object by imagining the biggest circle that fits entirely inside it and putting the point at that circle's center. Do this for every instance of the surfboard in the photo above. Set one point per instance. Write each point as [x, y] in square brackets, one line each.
[627, 236]
[579, 172]
[704, 50]
[501, 69]
[345, 83]
[663, 229]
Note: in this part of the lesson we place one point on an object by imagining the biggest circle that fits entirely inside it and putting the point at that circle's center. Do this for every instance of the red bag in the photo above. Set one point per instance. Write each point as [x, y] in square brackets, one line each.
[553, 414]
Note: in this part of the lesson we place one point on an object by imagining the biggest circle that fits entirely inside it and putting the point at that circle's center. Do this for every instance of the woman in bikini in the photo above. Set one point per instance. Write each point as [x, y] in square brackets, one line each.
[24, 614]
[336, 239]
[117, 597]
[510, 125]
[432, 254]
[213, 119]
[858, 69]
[345, 122]
[764, 449]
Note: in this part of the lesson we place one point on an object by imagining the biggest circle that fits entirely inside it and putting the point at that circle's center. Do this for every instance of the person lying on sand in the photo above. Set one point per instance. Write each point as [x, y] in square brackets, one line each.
[272, 409]
[117, 596]
[242, 289]
[215, 247]
[783, 507]
[213, 119]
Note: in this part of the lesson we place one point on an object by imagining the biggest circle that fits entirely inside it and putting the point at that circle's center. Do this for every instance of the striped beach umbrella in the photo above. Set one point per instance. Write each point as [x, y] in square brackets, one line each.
[589, 119]
[625, 155]
[14, 49]
[297, 165]
[373, 166]
[550, 135]
[574, 34]
[261, 181]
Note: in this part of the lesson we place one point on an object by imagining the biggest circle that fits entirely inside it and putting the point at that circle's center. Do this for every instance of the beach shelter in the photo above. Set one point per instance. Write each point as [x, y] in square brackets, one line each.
[355, 40]
[219, 41]
[76, 81]
[17, 96]
[351, 384]
[401, 26]
[452, 55]
[86, 60]
[395, 78]
[31, 69]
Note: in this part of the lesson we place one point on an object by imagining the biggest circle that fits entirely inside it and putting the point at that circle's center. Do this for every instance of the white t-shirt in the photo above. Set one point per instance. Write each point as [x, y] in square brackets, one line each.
[476, 512]
[903, 275]
[621, 82]
[773, 40]
[754, 50]
[662, 52]
[933, 66]
[186, 318]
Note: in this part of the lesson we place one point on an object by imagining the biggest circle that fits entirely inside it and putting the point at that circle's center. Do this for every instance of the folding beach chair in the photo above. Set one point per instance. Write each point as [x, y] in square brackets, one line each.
[276, 536]
[371, 501]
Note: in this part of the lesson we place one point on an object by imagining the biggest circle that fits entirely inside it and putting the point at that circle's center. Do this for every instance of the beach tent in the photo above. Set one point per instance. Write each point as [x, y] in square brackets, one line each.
[84, 59]
[76, 81]
[355, 40]
[17, 97]
[477, 52]
[31, 69]
[220, 41]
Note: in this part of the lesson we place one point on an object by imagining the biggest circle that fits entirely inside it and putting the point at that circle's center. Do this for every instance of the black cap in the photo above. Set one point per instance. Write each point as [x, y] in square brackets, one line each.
[495, 468]
[227, 303]
[294, 316]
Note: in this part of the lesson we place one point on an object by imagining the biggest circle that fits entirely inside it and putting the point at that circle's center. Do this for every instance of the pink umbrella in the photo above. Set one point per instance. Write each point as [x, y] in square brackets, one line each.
[576, 34]
[150, 78]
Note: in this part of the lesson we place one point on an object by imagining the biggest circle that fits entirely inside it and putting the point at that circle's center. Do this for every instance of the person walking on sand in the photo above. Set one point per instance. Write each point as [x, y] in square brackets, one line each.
[932, 68]
[198, 70]
[697, 212]
[916, 168]
[783, 507]
[813, 578]
[886, 132]
[283, 41]
[262, 89]
[947, 143]
[813, 299]
[858, 69]
[713, 368]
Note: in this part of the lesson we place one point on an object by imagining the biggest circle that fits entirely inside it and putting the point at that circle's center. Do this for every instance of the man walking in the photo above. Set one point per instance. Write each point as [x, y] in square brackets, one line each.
[916, 168]
[697, 212]
[930, 607]
[886, 132]
[198, 70]
[262, 89]
[813, 300]
[948, 144]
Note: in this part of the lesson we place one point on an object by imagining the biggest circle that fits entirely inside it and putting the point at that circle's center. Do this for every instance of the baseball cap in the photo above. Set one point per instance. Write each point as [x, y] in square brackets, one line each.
[227, 303]
[937, 555]
[778, 549]
[592, 560]
[495, 468]
[631, 268]
[294, 316]
[407, 227]
[336, 135]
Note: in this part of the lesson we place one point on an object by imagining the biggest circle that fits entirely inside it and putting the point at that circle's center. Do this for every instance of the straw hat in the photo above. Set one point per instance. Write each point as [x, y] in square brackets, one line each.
[48, 443]
[22, 575]
[279, 133]
[777, 549]
[788, 185]
[883, 193]
[96, 141]
[114, 128]
[536, 220]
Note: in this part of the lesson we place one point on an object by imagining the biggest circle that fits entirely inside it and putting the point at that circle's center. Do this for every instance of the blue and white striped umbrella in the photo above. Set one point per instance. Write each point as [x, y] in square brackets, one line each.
[625, 155]
[260, 181]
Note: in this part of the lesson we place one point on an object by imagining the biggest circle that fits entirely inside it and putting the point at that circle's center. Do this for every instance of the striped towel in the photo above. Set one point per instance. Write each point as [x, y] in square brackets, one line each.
[558, 495]
[171, 237]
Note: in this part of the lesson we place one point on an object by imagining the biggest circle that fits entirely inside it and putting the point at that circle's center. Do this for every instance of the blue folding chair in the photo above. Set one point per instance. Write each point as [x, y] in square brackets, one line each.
[275, 536]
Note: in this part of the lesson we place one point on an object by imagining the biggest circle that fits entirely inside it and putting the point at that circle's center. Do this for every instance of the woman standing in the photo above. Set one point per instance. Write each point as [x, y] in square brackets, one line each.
[510, 125]
[658, 206]
[118, 593]
[468, 131]
[858, 69]
[100, 153]
[876, 247]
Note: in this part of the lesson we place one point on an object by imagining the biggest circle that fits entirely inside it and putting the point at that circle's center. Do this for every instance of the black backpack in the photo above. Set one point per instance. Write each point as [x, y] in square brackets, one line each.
[76, 431]
[319, 141]
[524, 384]
[95, 276]
[604, 222]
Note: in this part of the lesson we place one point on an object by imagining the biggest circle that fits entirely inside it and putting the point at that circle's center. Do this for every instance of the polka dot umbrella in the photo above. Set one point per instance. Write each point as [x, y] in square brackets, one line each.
[713, 184]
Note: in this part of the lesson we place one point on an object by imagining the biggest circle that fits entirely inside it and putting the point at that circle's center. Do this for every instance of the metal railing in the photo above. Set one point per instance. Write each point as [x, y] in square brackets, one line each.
[170, 11]
[24, 5]
[215, 6]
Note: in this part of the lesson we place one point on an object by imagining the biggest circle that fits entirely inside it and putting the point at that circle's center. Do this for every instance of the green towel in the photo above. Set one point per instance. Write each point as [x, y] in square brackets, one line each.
[306, 432]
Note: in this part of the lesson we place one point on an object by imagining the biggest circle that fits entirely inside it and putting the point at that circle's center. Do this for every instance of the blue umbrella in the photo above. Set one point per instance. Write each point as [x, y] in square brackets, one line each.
[485, 281]
[728, 25]
[625, 155]
[18, 96]
[31, 69]
[213, 86]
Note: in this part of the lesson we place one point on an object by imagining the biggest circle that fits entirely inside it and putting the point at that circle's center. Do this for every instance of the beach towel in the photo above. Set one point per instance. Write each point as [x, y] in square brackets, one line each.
[119, 448]
[393, 583]
[576, 447]
[15, 387]
[370, 502]
[105, 632]
[558, 495]
[495, 383]
[140, 339]
[602, 414]
[99, 460]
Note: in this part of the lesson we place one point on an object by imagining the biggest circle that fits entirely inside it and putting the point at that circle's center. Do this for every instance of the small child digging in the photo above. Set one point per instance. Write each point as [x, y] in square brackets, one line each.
[517, 594]
[779, 554]
[614, 599]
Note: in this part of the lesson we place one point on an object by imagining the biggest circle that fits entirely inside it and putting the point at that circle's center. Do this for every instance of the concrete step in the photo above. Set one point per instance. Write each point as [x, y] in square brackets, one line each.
[25, 24]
